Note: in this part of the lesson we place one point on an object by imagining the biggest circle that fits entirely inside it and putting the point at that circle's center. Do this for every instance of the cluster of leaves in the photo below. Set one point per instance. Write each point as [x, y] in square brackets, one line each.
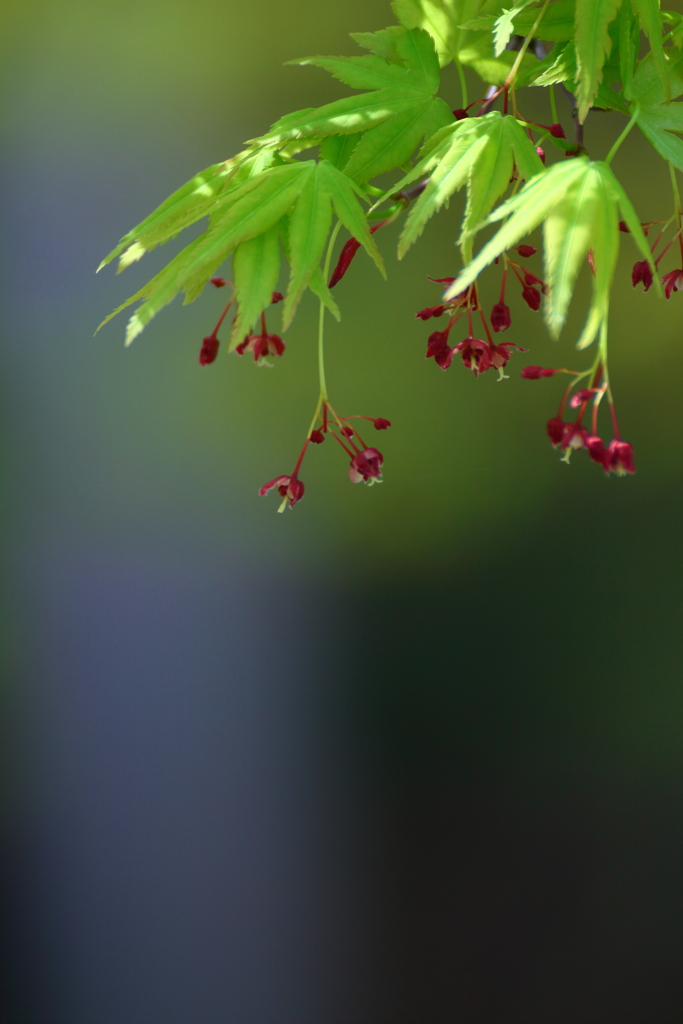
[279, 196]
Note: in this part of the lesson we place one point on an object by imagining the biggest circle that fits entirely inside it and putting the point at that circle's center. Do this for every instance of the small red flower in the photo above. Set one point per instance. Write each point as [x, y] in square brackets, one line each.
[288, 486]
[532, 297]
[574, 436]
[500, 354]
[642, 273]
[557, 131]
[277, 297]
[381, 424]
[317, 437]
[218, 282]
[536, 372]
[541, 153]
[623, 226]
[597, 451]
[209, 350]
[262, 345]
[500, 317]
[460, 114]
[366, 466]
[526, 250]
[437, 342]
[582, 396]
[556, 429]
[476, 355]
[620, 456]
[673, 282]
[347, 431]
[427, 314]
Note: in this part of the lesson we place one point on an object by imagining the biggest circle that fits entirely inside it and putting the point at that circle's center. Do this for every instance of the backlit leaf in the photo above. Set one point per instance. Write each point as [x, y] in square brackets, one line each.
[593, 45]
[255, 272]
[309, 225]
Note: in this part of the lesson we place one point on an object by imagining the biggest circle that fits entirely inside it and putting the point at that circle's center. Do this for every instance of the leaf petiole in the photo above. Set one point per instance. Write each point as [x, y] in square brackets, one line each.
[613, 151]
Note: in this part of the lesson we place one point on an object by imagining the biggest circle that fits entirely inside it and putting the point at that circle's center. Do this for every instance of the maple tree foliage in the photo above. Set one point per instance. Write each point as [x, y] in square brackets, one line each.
[289, 194]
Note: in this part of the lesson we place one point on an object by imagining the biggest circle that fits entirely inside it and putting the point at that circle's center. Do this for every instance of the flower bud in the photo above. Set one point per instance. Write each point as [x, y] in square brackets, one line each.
[460, 114]
[526, 250]
[208, 351]
[218, 282]
[317, 437]
[532, 297]
[381, 424]
[557, 131]
[500, 317]
[642, 274]
[536, 372]
[277, 297]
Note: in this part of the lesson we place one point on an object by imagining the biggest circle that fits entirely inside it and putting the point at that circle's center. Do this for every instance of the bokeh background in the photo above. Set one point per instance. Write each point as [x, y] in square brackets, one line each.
[405, 755]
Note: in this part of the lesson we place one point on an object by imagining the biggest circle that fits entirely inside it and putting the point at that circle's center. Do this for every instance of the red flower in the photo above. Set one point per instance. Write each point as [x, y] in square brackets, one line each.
[541, 153]
[536, 372]
[427, 314]
[557, 131]
[209, 350]
[277, 297]
[262, 345]
[366, 466]
[623, 226]
[574, 436]
[555, 428]
[476, 355]
[381, 424]
[620, 456]
[526, 250]
[597, 451]
[288, 486]
[317, 437]
[500, 317]
[460, 114]
[501, 353]
[673, 282]
[582, 396]
[642, 273]
[219, 282]
[437, 343]
[532, 297]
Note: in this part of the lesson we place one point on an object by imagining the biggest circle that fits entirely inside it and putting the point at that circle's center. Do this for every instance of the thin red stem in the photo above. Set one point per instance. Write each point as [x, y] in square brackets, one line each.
[486, 326]
[222, 318]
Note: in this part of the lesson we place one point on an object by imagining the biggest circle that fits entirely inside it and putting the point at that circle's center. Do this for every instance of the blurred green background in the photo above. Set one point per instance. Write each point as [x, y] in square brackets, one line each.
[480, 659]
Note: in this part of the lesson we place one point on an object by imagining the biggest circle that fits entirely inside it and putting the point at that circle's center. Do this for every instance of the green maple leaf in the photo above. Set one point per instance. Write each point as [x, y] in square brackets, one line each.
[650, 20]
[443, 19]
[657, 123]
[593, 45]
[504, 27]
[394, 118]
[397, 89]
[578, 201]
[557, 24]
[480, 153]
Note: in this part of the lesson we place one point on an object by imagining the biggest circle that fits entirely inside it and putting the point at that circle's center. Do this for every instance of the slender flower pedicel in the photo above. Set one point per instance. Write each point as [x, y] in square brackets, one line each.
[321, 171]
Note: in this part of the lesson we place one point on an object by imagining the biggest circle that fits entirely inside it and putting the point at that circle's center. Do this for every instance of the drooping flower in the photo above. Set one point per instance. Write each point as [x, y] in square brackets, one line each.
[291, 489]
[532, 297]
[209, 350]
[642, 274]
[381, 424]
[536, 372]
[427, 314]
[500, 354]
[317, 437]
[476, 355]
[500, 317]
[556, 430]
[526, 250]
[277, 297]
[366, 466]
[557, 131]
[437, 343]
[597, 451]
[459, 114]
[574, 436]
[218, 282]
[262, 345]
[620, 456]
[673, 282]
[584, 395]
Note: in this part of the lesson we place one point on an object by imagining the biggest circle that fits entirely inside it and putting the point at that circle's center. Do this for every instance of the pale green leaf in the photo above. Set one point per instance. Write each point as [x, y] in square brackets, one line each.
[477, 53]
[668, 146]
[667, 116]
[382, 43]
[605, 246]
[441, 18]
[338, 149]
[370, 73]
[525, 211]
[309, 225]
[556, 25]
[651, 24]
[593, 45]
[417, 50]
[348, 209]
[392, 143]
[185, 206]
[504, 27]
[318, 286]
[255, 272]
[628, 45]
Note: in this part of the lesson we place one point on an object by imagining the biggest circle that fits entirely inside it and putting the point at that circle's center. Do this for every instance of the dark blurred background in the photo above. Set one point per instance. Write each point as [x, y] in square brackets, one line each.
[407, 755]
